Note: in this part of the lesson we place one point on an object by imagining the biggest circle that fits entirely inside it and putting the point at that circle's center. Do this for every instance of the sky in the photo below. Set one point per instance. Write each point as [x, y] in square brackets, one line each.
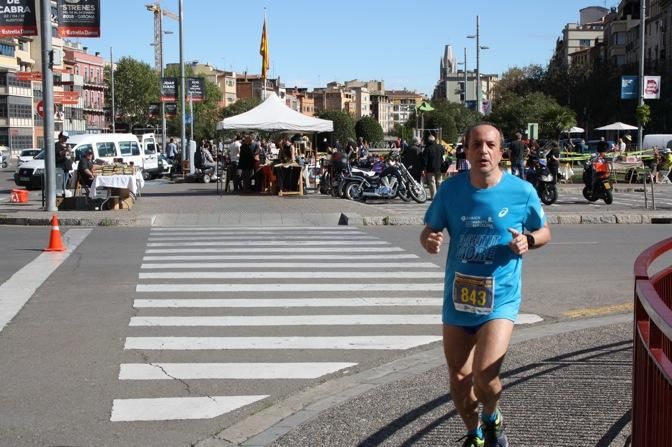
[312, 42]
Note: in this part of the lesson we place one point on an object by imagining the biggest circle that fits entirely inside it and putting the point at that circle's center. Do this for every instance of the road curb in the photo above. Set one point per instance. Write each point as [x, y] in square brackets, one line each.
[269, 424]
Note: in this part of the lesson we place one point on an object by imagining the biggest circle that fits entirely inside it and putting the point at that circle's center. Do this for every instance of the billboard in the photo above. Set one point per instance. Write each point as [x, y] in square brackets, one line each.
[195, 89]
[171, 110]
[651, 87]
[629, 87]
[79, 18]
[17, 18]
[168, 89]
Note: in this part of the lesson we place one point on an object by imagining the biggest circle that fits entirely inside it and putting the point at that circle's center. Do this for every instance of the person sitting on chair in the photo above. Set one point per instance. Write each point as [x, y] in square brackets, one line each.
[85, 169]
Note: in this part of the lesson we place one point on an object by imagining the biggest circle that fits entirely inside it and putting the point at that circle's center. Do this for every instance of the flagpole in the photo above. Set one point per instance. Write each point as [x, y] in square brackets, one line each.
[265, 55]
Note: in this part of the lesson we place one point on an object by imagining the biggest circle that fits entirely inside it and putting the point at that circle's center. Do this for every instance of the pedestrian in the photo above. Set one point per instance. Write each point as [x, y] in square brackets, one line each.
[62, 158]
[433, 165]
[234, 156]
[602, 146]
[553, 160]
[492, 218]
[412, 158]
[517, 156]
[246, 162]
[171, 150]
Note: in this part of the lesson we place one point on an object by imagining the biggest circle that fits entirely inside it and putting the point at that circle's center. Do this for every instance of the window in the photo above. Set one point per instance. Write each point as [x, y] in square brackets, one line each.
[106, 150]
[7, 50]
[150, 148]
[129, 148]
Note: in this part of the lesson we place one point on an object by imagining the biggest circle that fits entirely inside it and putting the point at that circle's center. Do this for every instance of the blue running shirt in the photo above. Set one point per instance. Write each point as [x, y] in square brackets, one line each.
[483, 275]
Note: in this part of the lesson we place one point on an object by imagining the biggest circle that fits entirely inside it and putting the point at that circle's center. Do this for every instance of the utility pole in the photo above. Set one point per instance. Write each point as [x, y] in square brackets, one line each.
[114, 112]
[48, 100]
[159, 12]
[466, 88]
[183, 136]
[642, 60]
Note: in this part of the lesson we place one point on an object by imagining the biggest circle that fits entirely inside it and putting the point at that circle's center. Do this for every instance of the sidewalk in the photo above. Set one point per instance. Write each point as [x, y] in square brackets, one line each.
[566, 384]
[199, 204]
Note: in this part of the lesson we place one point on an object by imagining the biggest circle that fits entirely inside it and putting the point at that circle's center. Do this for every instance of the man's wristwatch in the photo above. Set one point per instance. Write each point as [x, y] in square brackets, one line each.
[530, 240]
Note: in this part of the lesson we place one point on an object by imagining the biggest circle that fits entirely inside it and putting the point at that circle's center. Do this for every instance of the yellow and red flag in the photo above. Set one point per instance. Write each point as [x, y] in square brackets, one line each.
[263, 50]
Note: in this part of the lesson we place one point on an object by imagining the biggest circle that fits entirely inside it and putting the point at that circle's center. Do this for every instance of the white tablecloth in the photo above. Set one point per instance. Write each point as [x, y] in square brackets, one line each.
[133, 183]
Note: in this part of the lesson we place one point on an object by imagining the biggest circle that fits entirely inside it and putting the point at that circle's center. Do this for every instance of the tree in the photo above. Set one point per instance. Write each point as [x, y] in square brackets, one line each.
[370, 130]
[512, 114]
[240, 106]
[344, 127]
[136, 87]
[556, 119]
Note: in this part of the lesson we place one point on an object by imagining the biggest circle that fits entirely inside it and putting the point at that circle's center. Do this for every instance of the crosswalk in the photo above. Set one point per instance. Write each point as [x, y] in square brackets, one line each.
[223, 304]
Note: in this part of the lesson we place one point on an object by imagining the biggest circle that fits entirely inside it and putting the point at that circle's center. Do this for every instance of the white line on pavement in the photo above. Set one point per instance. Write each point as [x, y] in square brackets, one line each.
[251, 237]
[174, 408]
[278, 250]
[289, 320]
[248, 229]
[246, 371]
[263, 243]
[17, 290]
[219, 343]
[289, 275]
[345, 287]
[290, 302]
[276, 257]
[224, 232]
[275, 265]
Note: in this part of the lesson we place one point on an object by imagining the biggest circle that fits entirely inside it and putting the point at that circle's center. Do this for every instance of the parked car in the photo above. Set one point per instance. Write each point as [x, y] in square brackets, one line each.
[592, 146]
[29, 174]
[26, 155]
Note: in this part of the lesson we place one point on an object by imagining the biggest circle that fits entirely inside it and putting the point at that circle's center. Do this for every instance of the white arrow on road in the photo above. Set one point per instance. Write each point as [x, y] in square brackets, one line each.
[174, 408]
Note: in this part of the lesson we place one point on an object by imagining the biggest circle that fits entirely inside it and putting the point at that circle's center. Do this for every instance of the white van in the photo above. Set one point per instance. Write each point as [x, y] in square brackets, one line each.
[659, 140]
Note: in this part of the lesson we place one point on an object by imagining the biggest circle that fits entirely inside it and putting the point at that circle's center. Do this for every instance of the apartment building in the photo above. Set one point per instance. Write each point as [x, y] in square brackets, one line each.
[253, 86]
[403, 103]
[84, 73]
[382, 110]
[580, 36]
[305, 98]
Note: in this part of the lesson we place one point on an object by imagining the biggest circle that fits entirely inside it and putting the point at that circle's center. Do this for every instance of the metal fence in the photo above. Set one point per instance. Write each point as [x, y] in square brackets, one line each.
[652, 351]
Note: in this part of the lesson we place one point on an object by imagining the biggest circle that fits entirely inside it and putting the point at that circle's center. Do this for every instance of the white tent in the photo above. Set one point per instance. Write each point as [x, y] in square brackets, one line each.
[274, 115]
[574, 130]
[617, 126]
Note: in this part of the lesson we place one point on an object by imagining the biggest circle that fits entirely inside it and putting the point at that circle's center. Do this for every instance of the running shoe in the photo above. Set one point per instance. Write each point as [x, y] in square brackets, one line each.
[472, 441]
[493, 432]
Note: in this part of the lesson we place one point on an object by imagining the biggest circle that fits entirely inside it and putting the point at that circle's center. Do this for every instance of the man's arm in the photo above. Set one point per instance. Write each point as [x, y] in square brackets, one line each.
[431, 240]
[520, 243]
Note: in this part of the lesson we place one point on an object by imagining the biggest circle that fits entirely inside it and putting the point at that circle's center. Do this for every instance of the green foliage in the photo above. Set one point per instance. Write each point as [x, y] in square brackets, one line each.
[556, 119]
[136, 87]
[240, 106]
[369, 129]
[404, 132]
[643, 114]
[512, 113]
[344, 127]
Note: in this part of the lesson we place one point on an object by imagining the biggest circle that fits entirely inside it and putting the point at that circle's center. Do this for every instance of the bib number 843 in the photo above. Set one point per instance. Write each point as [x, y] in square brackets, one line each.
[473, 297]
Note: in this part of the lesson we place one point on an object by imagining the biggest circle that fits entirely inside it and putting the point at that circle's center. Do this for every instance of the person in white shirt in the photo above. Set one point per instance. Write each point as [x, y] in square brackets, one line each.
[234, 156]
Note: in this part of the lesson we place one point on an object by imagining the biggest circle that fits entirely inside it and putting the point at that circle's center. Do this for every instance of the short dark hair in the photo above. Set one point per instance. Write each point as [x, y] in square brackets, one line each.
[467, 133]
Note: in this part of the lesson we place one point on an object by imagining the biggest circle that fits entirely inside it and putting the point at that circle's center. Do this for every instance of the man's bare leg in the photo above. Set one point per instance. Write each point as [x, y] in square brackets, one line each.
[458, 347]
[492, 343]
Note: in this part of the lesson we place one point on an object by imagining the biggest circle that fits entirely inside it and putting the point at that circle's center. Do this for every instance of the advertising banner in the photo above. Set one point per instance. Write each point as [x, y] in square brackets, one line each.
[79, 18]
[154, 110]
[168, 89]
[17, 18]
[651, 87]
[171, 110]
[629, 87]
[195, 89]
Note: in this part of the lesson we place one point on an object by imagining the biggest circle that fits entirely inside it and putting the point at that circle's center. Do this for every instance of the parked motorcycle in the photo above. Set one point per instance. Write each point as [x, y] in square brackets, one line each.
[541, 178]
[363, 185]
[4, 160]
[411, 188]
[596, 180]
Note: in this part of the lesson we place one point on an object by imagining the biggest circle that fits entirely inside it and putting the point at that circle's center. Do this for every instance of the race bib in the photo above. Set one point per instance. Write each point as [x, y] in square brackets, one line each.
[474, 294]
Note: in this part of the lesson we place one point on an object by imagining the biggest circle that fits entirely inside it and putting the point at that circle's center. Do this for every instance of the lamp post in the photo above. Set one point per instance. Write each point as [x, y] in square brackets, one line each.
[479, 93]
[642, 60]
[183, 131]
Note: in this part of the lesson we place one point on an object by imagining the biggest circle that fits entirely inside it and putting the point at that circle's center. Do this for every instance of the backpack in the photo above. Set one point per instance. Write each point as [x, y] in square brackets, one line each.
[198, 158]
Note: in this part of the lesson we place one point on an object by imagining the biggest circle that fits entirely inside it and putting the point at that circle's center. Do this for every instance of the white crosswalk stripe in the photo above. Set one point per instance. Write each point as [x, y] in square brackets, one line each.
[208, 297]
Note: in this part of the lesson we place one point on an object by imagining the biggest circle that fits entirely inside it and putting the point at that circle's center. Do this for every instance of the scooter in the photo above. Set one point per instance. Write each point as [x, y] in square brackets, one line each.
[4, 161]
[542, 179]
[596, 181]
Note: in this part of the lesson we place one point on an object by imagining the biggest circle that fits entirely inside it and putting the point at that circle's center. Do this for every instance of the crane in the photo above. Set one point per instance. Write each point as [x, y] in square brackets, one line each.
[159, 12]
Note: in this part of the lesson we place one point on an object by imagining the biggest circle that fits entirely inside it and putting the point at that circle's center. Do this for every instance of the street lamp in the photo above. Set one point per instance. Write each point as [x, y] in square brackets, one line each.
[479, 47]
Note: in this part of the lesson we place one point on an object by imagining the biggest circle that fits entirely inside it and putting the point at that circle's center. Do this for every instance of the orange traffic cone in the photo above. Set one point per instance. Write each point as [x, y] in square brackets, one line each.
[55, 242]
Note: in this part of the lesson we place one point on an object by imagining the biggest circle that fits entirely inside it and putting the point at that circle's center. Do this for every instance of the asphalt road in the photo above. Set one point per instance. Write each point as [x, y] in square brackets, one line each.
[63, 352]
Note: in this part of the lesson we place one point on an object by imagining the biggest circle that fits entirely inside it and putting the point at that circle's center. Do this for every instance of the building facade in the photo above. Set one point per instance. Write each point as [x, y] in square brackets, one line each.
[86, 73]
[403, 103]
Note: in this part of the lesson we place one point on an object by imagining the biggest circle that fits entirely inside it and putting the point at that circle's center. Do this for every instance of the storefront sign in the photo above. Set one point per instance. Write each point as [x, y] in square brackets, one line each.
[168, 89]
[195, 89]
[79, 18]
[17, 18]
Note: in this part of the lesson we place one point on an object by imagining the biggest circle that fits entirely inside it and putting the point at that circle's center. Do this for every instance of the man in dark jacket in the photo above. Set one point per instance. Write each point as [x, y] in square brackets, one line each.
[246, 162]
[517, 156]
[412, 158]
[433, 163]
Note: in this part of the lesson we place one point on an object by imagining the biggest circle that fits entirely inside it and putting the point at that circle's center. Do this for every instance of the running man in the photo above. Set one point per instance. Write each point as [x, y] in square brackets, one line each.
[492, 218]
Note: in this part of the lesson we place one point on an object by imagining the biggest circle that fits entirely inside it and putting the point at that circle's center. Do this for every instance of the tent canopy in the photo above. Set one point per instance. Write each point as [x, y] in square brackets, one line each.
[617, 126]
[574, 130]
[425, 107]
[273, 115]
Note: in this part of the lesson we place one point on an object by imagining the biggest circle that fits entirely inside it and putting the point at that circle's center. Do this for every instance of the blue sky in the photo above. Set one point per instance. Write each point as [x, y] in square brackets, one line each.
[313, 42]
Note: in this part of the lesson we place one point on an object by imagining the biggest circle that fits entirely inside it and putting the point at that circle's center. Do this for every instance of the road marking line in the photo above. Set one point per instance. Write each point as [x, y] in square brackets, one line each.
[279, 250]
[276, 257]
[288, 320]
[249, 233]
[248, 229]
[311, 265]
[20, 287]
[596, 311]
[291, 302]
[574, 243]
[245, 371]
[250, 237]
[290, 275]
[263, 243]
[190, 288]
[331, 343]
[175, 408]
